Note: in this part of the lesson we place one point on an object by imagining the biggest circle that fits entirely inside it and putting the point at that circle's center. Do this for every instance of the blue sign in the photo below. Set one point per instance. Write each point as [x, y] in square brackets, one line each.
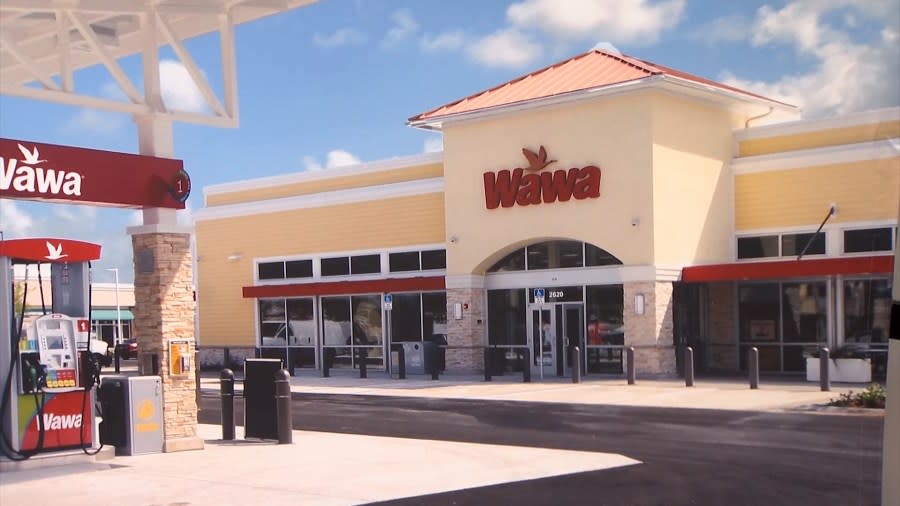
[388, 301]
[539, 295]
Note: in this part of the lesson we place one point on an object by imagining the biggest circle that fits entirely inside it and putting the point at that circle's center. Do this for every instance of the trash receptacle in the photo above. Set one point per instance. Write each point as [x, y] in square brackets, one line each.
[132, 414]
[260, 419]
[415, 361]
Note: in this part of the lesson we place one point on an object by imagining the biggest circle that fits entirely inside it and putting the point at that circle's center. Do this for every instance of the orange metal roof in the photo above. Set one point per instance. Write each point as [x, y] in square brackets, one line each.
[594, 69]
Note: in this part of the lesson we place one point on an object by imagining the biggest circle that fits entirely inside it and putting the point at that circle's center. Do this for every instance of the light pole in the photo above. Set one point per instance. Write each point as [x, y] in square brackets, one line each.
[118, 338]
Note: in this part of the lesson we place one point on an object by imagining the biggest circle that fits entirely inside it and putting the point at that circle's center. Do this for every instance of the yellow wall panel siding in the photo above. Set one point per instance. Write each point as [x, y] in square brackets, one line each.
[692, 187]
[226, 319]
[863, 191]
[323, 185]
[820, 139]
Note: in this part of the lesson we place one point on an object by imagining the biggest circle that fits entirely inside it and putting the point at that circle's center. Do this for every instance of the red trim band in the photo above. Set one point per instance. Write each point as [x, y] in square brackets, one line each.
[46, 249]
[346, 287]
[883, 264]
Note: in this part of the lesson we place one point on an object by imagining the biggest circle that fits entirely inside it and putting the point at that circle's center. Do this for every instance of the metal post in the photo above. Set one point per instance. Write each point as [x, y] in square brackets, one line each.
[434, 369]
[576, 365]
[116, 358]
[326, 362]
[197, 378]
[226, 392]
[824, 379]
[629, 364]
[283, 406]
[487, 364]
[754, 368]
[688, 366]
[363, 372]
[526, 365]
[401, 357]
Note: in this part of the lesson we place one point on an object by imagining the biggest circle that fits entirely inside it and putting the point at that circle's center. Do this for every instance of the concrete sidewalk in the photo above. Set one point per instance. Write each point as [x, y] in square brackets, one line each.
[707, 393]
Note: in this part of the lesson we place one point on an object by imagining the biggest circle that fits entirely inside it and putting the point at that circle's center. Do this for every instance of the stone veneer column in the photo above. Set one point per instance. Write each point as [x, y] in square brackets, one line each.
[164, 311]
[650, 333]
[468, 331]
[723, 352]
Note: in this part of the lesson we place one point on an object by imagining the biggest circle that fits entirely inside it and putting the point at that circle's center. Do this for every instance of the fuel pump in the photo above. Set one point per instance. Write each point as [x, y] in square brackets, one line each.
[49, 366]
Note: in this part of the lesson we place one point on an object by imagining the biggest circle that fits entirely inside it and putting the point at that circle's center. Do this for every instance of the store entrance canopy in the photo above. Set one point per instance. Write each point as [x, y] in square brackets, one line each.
[785, 269]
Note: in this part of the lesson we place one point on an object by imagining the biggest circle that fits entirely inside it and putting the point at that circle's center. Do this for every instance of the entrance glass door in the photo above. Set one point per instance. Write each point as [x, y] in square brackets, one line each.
[553, 329]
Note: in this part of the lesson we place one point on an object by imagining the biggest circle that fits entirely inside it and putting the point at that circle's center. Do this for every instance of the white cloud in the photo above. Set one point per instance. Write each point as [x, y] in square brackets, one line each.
[505, 48]
[433, 144]
[13, 220]
[179, 92]
[74, 213]
[92, 121]
[621, 21]
[447, 41]
[334, 158]
[341, 37]
[404, 26]
[847, 75]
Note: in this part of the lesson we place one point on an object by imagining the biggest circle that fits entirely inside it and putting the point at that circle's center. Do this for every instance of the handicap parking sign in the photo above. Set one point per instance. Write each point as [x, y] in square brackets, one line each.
[388, 302]
[539, 295]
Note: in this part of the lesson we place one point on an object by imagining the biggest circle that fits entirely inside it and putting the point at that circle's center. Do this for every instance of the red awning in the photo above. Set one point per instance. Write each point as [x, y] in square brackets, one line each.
[346, 287]
[745, 271]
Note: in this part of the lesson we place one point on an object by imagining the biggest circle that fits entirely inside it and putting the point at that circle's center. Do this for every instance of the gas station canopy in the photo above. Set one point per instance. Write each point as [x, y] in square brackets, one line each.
[42, 43]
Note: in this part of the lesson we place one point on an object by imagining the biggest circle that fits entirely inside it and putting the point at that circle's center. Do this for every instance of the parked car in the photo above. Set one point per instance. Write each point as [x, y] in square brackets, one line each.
[127, 349]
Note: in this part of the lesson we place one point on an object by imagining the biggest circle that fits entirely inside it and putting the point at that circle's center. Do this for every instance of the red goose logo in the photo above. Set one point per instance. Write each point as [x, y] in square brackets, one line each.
[507, 188]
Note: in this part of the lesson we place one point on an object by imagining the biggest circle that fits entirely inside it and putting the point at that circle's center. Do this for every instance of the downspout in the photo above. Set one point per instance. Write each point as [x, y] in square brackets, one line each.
[763, 115]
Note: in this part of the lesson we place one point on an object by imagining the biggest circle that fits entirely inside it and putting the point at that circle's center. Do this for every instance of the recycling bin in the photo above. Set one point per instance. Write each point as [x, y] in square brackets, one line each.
[260, 419]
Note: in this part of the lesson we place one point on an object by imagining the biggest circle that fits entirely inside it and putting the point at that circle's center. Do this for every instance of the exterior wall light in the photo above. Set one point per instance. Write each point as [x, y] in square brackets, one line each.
[639, 304]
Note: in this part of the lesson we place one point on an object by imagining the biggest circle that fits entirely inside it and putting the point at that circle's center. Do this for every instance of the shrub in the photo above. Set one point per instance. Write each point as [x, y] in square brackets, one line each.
[871, 397]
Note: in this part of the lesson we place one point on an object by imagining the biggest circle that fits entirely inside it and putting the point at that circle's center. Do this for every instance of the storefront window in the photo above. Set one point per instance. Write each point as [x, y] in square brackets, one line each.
[757, 247]
[404, 261]
[337, 330]
[605, 328]
[805, 312]
[434, 259]
[406, 324]
[794, 244]
[867, 310]
[506, 317]
[555, 255]
[870, 239]
[288, 331]
[434, 316]
[783, 321]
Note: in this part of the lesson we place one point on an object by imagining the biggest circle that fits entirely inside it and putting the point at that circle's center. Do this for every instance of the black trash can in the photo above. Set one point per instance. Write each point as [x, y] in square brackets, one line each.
[260, 420]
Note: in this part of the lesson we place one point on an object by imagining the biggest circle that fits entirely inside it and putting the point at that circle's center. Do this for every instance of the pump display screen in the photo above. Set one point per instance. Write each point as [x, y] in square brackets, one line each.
[55, 343]
[52, 325]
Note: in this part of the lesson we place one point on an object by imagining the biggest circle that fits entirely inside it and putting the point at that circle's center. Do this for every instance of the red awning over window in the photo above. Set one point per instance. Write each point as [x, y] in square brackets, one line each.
[346, 287]
[746, 271]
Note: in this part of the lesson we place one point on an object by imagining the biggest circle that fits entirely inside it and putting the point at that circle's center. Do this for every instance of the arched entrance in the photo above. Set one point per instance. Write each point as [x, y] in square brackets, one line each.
[582, 306]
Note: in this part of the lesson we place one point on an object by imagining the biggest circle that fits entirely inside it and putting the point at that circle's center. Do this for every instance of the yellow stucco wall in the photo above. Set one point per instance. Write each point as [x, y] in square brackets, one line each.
[863, 191]
[614, 135]
[692, 185]
[820, 138]
[226, 317]
[253, 194]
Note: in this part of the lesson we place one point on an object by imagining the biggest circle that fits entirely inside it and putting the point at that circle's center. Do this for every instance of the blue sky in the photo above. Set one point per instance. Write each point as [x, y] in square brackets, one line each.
[333, 83]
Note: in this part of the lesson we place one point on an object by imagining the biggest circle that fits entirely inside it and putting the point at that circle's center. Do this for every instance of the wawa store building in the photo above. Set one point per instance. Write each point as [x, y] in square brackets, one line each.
[651, 208]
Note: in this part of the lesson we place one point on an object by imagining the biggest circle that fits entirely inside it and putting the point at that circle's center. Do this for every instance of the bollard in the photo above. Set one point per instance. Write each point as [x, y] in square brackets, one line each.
[197, 378]
[116, 357]
[487, 364]
[688, 366]
[283, 406]
[326, 362]
[401, 357]
[629, 364]
[754, 368]
[226, 389]
[576, 365]
[824, 379]
[363, 372]
[434, 365]
[526, 365]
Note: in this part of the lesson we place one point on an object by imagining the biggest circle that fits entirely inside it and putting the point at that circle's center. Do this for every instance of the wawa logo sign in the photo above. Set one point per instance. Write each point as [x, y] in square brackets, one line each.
[27, 175]
[530, 186]
[64, 422]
